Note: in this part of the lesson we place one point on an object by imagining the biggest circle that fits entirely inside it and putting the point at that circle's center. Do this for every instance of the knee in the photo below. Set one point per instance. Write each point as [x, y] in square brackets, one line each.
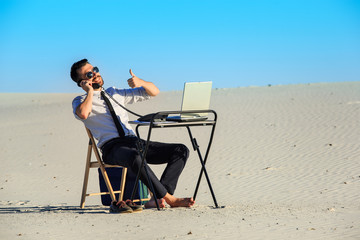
[182, 151]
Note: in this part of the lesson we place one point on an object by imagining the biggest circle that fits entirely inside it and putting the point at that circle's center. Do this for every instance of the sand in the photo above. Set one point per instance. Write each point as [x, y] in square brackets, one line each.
[285, 163]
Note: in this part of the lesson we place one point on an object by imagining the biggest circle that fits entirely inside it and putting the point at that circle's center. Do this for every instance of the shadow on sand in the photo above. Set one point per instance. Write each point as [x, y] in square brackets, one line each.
[53, 209]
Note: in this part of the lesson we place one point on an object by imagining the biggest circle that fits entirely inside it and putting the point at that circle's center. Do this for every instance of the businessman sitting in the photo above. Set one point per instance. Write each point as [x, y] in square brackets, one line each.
[120, 149]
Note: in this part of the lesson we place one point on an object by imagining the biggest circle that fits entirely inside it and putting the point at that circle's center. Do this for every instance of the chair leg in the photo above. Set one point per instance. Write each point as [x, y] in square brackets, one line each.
[108, 184]
[104, 173]
[86, 176]
[123, 181]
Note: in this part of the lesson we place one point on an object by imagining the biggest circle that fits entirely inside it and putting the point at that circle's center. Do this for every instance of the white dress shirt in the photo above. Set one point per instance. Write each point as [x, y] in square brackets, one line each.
[100, 122]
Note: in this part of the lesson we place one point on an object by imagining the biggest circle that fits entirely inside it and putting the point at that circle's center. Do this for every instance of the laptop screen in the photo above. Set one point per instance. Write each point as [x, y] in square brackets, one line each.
[196, 96]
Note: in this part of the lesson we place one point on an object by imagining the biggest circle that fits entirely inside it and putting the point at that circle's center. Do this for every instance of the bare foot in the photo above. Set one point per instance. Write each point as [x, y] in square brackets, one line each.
[152, 203]
[179, 202]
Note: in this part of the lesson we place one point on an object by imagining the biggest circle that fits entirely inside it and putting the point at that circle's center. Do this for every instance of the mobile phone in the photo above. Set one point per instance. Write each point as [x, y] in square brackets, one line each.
[95, 85]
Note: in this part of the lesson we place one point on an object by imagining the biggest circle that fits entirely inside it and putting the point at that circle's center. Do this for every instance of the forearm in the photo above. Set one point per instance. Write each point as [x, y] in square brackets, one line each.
[150, 88]
[84, 109]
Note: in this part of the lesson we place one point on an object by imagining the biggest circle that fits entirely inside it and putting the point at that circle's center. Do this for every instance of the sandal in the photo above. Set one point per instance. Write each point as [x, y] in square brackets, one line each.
[133, 206]
[120, 207]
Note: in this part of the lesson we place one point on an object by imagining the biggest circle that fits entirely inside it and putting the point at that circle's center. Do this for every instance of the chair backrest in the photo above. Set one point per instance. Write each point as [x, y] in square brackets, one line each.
[94, 147]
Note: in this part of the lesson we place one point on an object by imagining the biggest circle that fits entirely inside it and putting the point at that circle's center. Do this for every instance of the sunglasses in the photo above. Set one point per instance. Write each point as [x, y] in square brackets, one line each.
[90, 74]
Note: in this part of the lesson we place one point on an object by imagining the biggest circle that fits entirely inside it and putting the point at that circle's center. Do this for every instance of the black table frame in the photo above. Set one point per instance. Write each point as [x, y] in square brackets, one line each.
[166, 124]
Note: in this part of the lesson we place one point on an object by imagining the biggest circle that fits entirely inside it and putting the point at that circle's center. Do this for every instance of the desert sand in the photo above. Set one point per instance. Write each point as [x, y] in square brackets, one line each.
[285, 163]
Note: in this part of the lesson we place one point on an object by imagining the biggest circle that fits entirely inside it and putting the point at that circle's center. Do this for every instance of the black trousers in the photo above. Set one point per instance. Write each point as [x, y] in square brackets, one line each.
[124, 152]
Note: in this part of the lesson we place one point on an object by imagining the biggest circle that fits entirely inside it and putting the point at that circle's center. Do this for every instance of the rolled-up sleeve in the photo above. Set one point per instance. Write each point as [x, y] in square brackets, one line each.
[75, 103]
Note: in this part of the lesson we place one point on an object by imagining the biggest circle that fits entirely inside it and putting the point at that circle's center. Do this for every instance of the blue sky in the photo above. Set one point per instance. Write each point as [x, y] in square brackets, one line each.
[232, 43]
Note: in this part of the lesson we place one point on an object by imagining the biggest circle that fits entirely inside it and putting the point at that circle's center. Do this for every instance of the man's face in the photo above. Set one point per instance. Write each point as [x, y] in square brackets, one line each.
[96, 81]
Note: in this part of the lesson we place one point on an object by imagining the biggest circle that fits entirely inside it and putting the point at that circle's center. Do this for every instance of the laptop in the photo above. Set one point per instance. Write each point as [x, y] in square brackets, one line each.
[196, 96]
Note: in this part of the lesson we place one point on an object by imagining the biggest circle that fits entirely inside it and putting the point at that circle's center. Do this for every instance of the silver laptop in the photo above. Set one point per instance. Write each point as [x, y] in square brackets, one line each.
[196, 96]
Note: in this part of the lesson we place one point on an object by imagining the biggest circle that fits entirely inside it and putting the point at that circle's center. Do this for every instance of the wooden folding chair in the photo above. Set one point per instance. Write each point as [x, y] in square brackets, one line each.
[100, 164]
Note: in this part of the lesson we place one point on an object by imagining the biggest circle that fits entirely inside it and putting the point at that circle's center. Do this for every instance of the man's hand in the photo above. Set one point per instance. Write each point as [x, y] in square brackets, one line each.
[134, 81]
[86, 85]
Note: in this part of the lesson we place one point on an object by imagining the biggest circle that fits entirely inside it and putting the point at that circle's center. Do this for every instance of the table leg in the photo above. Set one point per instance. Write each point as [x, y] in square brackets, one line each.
[203, 169]
[143, 151]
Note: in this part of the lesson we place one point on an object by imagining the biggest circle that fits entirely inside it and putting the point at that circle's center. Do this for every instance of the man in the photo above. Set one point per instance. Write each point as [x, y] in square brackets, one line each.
[121, 150]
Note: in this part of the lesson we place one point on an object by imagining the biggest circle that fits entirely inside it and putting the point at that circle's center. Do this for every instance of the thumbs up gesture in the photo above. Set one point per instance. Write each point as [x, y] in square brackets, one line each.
[134, 81]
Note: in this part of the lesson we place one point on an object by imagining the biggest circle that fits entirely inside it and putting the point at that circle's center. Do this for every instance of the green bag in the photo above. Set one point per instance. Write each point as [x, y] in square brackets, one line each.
[114, 175]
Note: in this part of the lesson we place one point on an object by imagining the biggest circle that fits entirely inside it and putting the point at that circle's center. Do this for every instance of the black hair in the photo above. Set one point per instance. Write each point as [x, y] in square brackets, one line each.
[74, 74]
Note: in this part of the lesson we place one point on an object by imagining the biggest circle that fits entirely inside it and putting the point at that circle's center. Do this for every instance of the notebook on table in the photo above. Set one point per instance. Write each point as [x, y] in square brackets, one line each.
[196, 96]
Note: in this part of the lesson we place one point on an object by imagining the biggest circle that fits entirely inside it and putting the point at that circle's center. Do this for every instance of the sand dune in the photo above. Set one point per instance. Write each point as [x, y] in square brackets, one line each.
[285, 163]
